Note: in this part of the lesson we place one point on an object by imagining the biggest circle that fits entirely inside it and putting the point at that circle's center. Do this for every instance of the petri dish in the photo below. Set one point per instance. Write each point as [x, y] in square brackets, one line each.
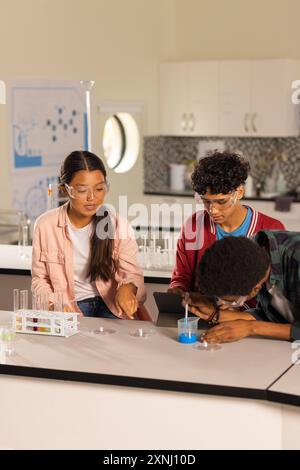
[208, 347]
[104, 331]
[142, 333]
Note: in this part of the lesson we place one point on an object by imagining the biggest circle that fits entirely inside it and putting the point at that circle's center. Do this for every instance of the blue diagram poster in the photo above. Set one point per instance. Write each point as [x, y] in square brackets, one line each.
[47, 121]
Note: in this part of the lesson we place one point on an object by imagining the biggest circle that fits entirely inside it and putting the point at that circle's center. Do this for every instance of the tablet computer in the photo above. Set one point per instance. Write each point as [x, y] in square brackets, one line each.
[170, 309]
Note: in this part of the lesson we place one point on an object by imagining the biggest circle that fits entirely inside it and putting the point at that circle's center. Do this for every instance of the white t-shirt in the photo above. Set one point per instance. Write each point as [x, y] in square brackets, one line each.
[80, 237]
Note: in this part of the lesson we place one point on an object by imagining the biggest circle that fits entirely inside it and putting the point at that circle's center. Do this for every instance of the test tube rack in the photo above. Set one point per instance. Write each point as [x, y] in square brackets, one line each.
[43, 322]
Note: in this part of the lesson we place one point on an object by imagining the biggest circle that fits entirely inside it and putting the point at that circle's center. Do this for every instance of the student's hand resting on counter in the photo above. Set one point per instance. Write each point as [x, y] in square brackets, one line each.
[228, 331]
[126, 300]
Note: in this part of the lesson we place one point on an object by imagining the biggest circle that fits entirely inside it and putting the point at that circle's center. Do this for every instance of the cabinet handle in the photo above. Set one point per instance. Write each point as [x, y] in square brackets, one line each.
[254, 128]
[246, 127]
[183, 121]
[192, 122]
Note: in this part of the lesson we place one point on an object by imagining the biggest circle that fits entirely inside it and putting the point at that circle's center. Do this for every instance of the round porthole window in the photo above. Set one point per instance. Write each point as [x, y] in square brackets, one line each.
[121, 142]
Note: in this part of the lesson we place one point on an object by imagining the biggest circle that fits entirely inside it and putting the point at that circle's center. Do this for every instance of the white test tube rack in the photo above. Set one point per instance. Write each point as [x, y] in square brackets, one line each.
[43, 322]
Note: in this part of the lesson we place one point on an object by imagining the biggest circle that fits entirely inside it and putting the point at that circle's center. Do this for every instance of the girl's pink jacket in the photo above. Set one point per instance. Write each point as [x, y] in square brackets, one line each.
[52, 260]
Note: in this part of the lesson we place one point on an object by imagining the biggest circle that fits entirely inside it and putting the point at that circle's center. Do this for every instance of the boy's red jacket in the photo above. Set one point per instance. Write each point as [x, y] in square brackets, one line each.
[198, 234]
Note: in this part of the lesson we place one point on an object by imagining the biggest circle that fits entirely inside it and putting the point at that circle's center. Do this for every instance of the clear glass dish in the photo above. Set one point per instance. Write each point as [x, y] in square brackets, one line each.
[104, 331]
[142, 333]
[208, 347]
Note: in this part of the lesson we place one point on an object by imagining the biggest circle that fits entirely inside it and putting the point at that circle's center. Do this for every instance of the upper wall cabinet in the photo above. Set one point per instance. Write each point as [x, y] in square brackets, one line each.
[229, 98]
[188, 98]
[273, 113]
[234, 98]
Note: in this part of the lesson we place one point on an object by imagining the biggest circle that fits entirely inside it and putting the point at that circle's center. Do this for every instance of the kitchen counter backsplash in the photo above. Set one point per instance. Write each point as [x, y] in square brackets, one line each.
[271, 159]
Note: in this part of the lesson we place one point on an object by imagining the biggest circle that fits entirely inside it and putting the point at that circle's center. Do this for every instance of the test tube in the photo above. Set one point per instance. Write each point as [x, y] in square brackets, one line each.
[170, 251]
[23, 306]
[24, 299]
[25, 235]
[16, 295]
[165, 251]
[154, 242]
[24, 241]
[50, 197]
[16, 300]
[157, 258]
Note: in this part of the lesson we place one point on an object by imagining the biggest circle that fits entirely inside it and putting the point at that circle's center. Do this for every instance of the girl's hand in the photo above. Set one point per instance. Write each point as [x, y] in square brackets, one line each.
[126, 300]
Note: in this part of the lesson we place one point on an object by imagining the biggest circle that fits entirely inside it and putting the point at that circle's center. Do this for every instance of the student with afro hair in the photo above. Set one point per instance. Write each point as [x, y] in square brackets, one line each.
[218, 181]
[236, 269]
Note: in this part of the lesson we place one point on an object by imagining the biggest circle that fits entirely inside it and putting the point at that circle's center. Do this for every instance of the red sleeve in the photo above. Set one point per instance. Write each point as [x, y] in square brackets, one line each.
[268, 223]
[183, 272]
[273, 224]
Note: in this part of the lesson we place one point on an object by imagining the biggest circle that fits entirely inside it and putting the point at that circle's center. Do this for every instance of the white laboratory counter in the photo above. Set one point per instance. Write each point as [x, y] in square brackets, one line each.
[14, 260]
[120, 391]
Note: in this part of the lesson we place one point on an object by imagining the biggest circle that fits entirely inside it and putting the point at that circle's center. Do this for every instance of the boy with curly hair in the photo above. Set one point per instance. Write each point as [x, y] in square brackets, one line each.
[219, 183]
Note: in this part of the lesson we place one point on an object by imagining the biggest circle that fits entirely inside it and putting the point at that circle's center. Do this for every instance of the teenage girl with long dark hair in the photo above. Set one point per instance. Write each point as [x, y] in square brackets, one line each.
[84, 250]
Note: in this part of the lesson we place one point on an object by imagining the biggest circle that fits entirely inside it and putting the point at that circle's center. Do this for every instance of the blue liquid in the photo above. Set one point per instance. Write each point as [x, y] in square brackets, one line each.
[187, 338]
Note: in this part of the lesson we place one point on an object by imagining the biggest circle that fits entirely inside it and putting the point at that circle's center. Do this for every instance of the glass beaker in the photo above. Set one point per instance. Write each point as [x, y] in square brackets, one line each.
[188, 330]
[7, 337]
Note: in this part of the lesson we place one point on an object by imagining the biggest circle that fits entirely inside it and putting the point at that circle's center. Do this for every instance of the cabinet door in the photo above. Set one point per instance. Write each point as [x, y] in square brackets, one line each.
[268, 98]
[172, 99]
[202, 98]
[234, 96]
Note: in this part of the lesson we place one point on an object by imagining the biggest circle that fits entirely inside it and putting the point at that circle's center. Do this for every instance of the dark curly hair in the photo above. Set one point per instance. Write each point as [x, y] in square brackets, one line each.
[232, 266]
[220, 173]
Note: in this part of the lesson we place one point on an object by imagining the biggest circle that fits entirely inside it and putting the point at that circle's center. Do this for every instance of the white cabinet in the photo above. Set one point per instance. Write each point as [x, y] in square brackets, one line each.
[272, 111]
[255, 98]
[234, 92]
[229, 98]
[173, 113]
[188, 98]
[202, 99]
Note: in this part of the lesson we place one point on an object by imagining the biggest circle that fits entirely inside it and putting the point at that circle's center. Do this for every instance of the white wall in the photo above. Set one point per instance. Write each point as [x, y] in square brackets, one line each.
[237, 29]
[119, 44]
